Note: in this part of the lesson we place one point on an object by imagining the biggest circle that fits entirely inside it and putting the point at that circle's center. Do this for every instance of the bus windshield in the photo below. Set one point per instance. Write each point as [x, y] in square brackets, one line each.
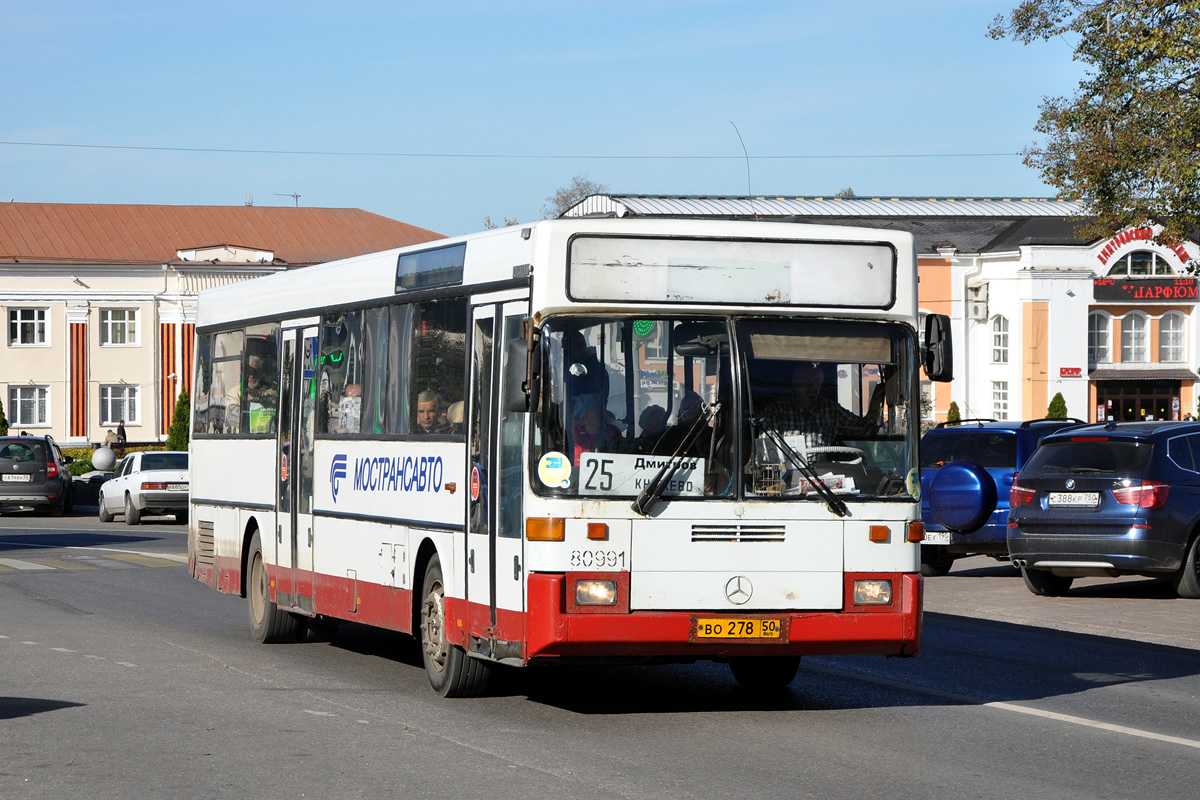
[727, 408]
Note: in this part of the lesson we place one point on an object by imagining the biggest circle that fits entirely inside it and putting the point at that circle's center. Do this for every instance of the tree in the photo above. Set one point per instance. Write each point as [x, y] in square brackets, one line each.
[180, 431]
[3, 421]
[845, 193]
[952, 413]
[1058, 408]
[1126, 143]
[579, 188]
[488, 225]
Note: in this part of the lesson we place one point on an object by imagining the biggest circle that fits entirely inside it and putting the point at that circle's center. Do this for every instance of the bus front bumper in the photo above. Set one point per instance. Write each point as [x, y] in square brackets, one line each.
[553, 630]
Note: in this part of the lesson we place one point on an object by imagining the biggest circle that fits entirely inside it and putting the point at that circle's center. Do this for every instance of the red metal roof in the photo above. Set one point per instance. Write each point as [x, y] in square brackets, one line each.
[68, 233]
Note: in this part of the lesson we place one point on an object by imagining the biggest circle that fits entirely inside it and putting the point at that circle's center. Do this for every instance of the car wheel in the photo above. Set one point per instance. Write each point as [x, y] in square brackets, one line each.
[105, 514]
[132, 515]
[59, 508]
[1187, 580]
[451, 672]
[1045, 584]
[935, 561]
[764, 673]
[181, 517]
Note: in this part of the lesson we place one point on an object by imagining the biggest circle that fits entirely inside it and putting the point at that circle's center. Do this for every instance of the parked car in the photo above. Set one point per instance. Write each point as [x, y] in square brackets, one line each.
[146, 483]
[1109, 500]
[33, 473]
[967, 469]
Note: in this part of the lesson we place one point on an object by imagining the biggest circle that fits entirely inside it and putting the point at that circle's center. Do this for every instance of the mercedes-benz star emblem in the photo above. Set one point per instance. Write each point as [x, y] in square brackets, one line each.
[738, 590]
[1070, 484]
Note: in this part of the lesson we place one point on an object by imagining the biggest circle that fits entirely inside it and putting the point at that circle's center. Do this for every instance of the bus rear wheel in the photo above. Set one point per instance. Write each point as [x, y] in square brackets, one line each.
[764, 673]
[267, 623]
[451, 672]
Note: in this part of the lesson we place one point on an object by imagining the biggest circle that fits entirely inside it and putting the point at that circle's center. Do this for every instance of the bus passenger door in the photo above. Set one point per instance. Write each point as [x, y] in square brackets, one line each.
[495, 522]
[295, 469]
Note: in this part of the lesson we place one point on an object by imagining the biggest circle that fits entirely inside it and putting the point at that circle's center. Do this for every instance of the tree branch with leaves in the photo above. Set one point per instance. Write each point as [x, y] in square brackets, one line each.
[1126, 144]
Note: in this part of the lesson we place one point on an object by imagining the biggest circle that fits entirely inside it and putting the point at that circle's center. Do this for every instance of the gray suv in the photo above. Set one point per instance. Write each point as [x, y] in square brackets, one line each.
[33, 474]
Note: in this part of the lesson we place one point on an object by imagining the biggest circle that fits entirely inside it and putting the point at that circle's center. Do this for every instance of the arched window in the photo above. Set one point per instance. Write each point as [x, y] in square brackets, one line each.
[1141, 264]
[1099, 337]
[1171, 337]
[1133, 338]
[1000, 340]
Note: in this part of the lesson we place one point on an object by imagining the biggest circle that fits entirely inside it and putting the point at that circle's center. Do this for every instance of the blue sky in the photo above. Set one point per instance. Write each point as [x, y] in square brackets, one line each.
[485, 108]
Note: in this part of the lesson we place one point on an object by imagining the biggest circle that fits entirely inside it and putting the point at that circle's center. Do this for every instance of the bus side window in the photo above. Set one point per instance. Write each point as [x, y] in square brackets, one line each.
[439, 361]
[339, 403]
[225, 393]
[202, 383]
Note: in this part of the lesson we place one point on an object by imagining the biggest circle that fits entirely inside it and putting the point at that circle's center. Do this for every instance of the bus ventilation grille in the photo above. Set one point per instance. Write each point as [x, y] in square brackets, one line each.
[738, 533]
[205, 548]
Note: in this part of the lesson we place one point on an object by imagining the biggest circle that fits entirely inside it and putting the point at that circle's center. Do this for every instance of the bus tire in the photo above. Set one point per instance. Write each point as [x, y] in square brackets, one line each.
[764, 673]
[267, 623]
[451, 672]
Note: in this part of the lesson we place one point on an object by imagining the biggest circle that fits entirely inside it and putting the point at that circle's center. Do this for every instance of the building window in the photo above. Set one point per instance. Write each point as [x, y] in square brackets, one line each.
[1000, 340]
[27, 326]
[118, 326]
[1133, 338]
[1141, 264]
[28, 405]
[119, 403]
[1171, 337]
[1098, 337]
[1000, 399]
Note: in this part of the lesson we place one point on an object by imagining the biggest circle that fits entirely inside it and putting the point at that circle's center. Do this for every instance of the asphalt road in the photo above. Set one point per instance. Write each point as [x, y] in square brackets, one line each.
[122, 677]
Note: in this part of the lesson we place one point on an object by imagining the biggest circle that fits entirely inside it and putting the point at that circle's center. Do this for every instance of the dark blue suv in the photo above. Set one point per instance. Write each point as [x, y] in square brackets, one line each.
[1109, 500]
[967, 469]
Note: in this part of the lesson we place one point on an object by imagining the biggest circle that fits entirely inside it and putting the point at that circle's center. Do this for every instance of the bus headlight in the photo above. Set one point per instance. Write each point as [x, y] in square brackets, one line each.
[875, 592]
[595, 592]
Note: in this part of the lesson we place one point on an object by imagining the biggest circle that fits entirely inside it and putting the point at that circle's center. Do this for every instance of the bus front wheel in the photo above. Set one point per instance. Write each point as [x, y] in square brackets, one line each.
[267, 623]
[451, 672]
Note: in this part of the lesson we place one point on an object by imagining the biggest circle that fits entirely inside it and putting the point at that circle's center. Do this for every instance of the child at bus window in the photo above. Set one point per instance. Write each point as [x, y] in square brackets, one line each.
[590, 433]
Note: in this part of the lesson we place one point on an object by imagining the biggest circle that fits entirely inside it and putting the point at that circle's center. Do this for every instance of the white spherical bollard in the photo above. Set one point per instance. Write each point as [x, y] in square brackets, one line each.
[103, 458]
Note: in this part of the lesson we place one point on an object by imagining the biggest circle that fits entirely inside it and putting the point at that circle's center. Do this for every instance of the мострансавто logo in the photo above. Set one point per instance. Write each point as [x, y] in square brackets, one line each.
[336, 473]
[384, 474]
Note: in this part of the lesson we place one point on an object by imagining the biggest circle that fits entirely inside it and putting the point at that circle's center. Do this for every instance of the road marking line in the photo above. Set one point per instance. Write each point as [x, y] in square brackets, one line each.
[16, 563]
[319, 713]
[1002, 706]
[182, 559]
[63, 650]
[144, 560]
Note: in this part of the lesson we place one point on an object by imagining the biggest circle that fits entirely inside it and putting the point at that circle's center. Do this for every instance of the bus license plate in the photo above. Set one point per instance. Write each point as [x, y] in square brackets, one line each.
[716, 628]
[1075, 499]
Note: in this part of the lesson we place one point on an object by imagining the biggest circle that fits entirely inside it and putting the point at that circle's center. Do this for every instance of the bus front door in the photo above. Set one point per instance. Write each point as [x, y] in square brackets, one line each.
[297, 424]
[495, 438]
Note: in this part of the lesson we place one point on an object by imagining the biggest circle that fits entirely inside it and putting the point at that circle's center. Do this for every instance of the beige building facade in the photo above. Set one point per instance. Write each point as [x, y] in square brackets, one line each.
[99, 302]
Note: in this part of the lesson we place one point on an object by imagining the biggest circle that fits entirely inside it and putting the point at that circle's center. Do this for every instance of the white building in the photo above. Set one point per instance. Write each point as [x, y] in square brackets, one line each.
[99, 301]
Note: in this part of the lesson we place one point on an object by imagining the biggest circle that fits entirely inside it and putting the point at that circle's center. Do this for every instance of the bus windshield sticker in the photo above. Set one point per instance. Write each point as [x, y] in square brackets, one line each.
[625, 474]
[554, 470]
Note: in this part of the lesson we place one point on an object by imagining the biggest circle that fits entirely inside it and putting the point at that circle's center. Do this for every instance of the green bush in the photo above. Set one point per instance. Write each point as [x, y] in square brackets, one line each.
[1058, 408]
[952, 413]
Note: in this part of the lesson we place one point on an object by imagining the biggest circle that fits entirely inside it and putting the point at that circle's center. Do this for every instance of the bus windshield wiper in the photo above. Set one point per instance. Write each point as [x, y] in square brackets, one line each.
[835, 503]
[658, 484]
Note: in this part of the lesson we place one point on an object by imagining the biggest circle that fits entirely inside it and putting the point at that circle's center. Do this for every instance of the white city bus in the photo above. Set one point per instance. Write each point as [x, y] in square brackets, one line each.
[554, 443]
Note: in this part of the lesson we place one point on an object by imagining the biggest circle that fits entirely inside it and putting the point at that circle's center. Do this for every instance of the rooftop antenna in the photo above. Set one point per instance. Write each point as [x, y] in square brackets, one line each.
[249, 197]
[749, 194]
[294, 195]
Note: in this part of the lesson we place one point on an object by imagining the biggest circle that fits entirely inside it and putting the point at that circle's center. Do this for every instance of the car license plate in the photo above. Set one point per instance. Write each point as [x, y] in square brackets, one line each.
[1075, 499]
[17, 478]
[723, 628]
[936, 537]
[177, 487]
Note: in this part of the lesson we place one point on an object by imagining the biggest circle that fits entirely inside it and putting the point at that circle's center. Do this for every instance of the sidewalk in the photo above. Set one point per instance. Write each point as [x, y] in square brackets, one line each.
[1138, 609]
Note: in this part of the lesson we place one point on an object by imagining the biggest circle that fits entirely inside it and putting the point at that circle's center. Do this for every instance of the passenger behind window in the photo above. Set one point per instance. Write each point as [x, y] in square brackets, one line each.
[428, 412]
[590, 433]
[652, 423]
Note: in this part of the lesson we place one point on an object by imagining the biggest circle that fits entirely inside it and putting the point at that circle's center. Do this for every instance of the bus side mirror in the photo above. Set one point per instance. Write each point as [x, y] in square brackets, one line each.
[523, 378]
[938, 354]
